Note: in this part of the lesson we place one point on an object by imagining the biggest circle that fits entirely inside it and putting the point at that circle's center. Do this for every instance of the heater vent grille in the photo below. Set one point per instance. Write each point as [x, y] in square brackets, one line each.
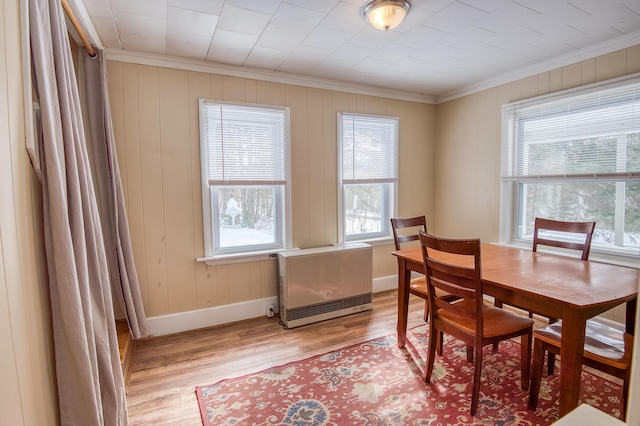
[323, 308]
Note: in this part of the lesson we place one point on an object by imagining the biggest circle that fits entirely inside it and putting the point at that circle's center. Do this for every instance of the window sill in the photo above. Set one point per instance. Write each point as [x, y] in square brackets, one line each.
[594, 256]
[257, 256]
[373, 241]
[254, 256]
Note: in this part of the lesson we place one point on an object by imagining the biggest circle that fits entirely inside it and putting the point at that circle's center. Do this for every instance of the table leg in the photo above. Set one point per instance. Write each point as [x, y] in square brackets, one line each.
[404, 278]
[571, 351]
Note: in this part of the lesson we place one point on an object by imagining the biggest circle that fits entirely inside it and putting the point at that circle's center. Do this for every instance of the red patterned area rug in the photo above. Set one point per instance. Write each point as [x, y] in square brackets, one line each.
[376, 383]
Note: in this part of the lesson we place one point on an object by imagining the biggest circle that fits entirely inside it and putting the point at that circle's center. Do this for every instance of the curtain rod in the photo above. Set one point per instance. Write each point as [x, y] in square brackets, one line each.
[78, 27]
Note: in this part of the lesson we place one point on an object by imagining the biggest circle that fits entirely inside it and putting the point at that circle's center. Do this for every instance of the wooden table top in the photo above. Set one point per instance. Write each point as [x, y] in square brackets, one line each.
[548, 276]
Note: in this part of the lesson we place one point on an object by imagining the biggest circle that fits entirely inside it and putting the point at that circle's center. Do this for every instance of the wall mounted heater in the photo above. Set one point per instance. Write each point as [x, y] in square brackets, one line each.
[325, 282]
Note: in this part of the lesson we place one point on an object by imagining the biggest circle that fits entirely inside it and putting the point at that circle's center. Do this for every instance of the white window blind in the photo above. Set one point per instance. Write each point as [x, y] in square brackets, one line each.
[574, 137]
[575, 156]
[369, 149]
[245, 145]
[245, 166]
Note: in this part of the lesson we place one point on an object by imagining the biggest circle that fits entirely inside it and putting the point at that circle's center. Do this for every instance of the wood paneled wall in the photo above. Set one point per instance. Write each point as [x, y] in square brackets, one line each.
[28, 395]
[155, 116]
[468, 144]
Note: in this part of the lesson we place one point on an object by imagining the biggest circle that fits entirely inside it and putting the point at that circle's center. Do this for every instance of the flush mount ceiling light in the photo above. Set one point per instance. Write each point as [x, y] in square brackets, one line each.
[386, 14]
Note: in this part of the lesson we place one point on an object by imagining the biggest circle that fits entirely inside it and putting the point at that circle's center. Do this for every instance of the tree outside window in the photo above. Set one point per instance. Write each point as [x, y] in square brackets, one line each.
[245, 176]
[368, 175]
[576, 157]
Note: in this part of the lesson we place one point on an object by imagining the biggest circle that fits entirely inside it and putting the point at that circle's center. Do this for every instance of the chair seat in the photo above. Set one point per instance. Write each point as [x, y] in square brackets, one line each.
[605, 349]
[497, 322]
[602, 343]
[419, 285]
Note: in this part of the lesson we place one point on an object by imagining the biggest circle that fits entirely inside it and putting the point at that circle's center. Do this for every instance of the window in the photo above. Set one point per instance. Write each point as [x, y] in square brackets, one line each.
[368, 175]
[245, 177]
[575, 156]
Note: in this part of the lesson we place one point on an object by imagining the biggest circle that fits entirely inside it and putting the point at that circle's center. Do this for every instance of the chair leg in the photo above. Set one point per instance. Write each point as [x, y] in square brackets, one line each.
[470, 351]
[536, 373]
[433, 342]
[440, 343]
[625, 393]
[498, 304]
[426, 310]
[525, 360]
[551, 363]
[477, 372]
[551, 358]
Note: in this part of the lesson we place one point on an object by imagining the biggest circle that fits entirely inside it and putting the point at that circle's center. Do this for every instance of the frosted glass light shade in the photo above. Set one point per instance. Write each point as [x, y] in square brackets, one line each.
[386, 14]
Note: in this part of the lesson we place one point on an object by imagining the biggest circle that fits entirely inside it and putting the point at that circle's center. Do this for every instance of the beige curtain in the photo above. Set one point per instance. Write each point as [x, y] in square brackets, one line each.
[89, 375]
[106, 176]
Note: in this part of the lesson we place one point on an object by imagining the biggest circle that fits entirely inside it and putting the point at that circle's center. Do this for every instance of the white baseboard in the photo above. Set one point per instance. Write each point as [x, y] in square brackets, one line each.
[217, 315]
[208, 317]
[385, 283]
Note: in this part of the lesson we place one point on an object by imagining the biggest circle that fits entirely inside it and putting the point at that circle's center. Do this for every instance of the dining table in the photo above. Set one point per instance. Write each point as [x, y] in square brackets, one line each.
[552, 285]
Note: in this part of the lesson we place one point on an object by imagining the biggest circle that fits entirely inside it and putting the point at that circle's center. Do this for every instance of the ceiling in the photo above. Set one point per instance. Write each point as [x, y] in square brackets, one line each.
[442, 47]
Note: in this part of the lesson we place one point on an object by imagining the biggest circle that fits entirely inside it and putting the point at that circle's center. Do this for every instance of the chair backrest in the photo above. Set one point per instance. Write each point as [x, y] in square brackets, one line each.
[411, 222]
[453, 266]
[584, 228]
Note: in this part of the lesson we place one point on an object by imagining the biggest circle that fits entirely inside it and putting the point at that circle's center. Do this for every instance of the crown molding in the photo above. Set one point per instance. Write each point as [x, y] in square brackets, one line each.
[263, 75]
[590, 52]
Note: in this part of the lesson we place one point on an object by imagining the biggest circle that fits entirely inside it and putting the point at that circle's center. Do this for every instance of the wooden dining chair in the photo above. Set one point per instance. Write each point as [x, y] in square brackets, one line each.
[605, 349]
[471, 320]
[581, 234]
[583, 244]
[404, 231]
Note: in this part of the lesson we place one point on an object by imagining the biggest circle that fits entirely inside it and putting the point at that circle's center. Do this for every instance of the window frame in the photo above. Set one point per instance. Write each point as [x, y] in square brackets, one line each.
[213, 254]
[389, 186]
[511, 189]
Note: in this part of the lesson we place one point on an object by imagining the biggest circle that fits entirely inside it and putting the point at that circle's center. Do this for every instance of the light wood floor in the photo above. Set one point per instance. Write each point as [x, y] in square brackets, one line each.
[165, 370]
